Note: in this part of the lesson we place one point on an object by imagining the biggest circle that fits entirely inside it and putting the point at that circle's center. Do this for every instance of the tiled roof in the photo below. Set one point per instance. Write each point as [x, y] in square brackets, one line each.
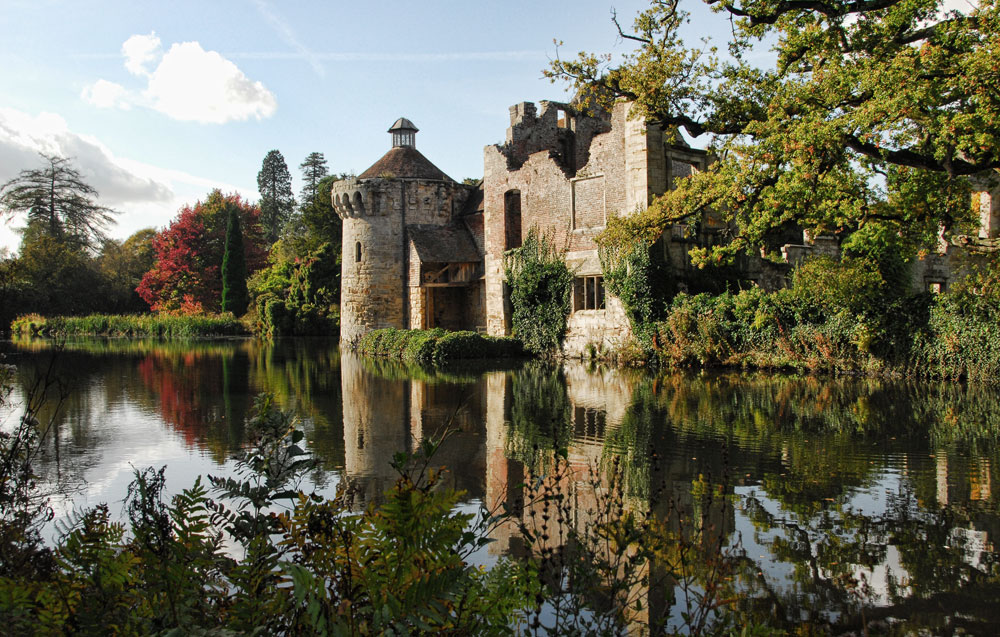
[404, 162]
[443, 244]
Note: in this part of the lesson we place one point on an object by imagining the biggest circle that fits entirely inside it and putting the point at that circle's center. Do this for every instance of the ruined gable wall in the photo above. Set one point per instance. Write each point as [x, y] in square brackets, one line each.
[569, 207]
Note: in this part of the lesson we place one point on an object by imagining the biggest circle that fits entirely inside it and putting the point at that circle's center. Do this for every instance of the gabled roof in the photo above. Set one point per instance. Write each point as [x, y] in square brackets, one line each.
[404, 162]
[443, 244]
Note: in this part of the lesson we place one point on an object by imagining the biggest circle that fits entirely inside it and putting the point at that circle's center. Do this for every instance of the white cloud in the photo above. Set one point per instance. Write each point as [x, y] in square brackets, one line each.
[23, 137]
[139, 51]
[105, 94]
[191, 84]
[147, 196]
[187, 83]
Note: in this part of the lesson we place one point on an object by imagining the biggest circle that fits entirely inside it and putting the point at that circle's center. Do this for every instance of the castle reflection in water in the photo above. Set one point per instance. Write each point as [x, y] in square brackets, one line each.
[817, 480]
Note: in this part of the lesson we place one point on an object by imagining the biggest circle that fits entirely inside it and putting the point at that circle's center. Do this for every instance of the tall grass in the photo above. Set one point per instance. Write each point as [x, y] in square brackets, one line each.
[129, 325]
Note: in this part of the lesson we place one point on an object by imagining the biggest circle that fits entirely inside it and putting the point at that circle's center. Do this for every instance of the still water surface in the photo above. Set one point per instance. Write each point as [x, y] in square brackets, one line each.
[827, 482]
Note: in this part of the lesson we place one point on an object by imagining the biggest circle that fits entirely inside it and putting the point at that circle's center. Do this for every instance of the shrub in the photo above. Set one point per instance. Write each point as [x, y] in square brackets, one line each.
[540, 285]
[640, 277]
[436, 345]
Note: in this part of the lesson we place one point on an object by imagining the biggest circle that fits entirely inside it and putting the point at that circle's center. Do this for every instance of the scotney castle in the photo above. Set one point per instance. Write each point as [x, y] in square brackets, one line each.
[422, 251]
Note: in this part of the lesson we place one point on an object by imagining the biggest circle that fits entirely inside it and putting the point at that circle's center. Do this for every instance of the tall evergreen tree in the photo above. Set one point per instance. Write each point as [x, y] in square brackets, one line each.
[277, 203]
[58, 202]
[234, 268]
[313, 170]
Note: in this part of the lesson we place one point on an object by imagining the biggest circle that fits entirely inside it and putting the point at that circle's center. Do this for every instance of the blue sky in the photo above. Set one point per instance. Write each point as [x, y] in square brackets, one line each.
[159, 102]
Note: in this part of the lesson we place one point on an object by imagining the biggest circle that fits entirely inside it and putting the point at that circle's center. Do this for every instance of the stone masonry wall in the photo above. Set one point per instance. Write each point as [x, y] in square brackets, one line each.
[372, 287]
[568, 207]
[377, 291]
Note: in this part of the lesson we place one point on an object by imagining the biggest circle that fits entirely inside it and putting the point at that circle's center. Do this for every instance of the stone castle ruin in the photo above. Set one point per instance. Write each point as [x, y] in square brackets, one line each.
[422, 251]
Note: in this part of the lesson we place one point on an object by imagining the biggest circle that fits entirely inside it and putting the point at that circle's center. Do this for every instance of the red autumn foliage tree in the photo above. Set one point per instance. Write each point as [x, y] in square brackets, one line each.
[186, 277]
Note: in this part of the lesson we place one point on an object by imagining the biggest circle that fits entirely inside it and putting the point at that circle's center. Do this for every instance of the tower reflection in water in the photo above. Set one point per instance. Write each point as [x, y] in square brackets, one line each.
[822, 482]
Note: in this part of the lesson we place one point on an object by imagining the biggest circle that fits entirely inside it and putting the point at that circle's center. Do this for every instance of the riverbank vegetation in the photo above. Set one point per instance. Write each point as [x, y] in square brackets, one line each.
[219, 253]
[424, 347]
[852, 315]
[131, 325]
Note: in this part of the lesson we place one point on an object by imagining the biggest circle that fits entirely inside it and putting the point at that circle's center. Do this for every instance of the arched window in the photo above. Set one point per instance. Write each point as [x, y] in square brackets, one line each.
[357, 252]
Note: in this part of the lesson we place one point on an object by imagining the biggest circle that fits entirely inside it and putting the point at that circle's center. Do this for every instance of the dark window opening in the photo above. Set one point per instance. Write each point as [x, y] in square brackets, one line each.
[588, 293]
[512, 219]
[589, 422]
[357, 252]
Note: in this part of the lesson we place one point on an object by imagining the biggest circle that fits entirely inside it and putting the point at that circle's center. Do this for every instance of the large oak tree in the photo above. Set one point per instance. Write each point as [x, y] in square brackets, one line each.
[875, 112]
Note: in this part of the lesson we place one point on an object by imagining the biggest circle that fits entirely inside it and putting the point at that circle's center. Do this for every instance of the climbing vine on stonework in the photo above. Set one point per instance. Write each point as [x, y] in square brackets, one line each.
[636, 273]
[540, 283]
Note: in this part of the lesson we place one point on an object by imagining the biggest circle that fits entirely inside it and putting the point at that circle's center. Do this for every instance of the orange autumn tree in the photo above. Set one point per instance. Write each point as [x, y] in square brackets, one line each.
[186, 277]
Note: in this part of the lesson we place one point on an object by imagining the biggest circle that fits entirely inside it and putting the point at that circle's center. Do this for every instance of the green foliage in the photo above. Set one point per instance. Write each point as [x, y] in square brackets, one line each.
[642, 280]
[122, 265]
[55, 276]
[962, 338]
[436, 346]
[322, 223]
[314, 169]
[385, 571]
[58, 203]
[234, 268]
[298, 297]
[540, 285]
[871, 112]
[277, 204]
[133, 325]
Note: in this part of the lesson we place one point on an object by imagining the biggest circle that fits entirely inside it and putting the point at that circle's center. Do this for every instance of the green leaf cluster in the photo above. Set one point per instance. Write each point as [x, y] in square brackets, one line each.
[873, 113]
[298, 296]
[540, 284]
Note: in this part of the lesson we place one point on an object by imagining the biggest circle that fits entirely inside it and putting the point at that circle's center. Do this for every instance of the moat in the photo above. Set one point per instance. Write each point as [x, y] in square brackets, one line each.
[841, 492]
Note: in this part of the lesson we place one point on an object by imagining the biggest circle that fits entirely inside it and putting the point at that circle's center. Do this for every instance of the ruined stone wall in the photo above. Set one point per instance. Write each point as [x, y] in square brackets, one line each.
[567, 203]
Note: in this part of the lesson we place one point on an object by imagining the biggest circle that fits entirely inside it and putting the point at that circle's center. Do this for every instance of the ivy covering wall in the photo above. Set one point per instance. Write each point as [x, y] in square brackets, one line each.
[540, 284]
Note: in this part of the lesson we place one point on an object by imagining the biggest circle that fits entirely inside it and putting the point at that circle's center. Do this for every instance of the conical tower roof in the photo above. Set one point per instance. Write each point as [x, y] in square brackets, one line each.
[404, 161]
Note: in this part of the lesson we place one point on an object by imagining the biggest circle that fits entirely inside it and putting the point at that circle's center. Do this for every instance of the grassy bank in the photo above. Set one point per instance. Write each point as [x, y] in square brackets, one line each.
[128, 325]
[436, 346]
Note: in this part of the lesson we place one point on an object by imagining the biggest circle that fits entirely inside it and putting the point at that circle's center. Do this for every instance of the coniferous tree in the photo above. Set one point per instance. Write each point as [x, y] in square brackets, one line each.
[277, 203]
[313, 170]
[234, 268]
[58, 202]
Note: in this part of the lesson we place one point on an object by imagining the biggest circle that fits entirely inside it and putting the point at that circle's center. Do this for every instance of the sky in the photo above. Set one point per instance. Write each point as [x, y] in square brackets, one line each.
[158, 103]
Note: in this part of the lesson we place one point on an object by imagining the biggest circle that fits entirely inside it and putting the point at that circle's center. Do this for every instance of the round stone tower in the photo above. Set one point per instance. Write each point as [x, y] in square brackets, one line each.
[400, 190]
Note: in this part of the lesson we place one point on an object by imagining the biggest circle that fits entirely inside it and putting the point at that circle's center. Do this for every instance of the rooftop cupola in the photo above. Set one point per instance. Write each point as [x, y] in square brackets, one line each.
[403, 133]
